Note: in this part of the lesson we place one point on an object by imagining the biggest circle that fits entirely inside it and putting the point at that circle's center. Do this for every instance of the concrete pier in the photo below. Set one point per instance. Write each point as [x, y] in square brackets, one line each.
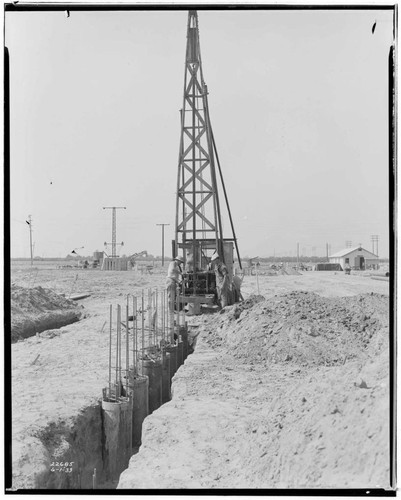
[117, 431]
[139, 387]
[152, 368]
[180, 353]
[172, 350]
[166, 382]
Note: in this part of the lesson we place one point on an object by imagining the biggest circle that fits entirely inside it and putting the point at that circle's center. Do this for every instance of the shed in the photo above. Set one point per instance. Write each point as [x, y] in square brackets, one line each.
[358, 258]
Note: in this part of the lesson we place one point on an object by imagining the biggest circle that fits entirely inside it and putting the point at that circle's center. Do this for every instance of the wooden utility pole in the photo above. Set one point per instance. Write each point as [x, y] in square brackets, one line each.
[375, 239]
[29, 222]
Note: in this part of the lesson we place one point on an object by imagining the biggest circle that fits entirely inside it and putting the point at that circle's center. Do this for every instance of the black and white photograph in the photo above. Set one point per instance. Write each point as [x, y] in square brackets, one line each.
[199, 214]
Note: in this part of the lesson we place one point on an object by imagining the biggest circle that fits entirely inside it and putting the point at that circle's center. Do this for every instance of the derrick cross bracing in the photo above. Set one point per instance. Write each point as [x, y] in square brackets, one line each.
[198, 216]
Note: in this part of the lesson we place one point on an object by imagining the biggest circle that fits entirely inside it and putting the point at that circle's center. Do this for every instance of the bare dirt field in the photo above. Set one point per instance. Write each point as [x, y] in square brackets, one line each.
[288, 389]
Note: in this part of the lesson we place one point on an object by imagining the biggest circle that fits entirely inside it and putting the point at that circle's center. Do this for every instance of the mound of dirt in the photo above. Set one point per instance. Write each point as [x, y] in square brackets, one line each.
[301, 327]
[34, 310]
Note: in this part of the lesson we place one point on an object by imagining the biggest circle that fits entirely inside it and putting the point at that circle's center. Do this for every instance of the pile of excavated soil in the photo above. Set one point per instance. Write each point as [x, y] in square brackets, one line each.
[291, 391]
[34, 310]
[301, 327]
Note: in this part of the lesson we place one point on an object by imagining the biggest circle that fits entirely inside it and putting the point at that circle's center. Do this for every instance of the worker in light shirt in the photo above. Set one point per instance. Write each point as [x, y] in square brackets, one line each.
[174, 277]
[222, 280]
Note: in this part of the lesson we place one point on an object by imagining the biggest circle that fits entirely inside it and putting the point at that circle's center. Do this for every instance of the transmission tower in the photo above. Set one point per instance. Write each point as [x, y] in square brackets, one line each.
[114, 230]
[198, 225]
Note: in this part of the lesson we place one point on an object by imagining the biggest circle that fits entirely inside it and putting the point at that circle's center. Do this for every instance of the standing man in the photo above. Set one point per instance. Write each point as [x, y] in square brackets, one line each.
[237, 295]
[174, 276]
[222, 280]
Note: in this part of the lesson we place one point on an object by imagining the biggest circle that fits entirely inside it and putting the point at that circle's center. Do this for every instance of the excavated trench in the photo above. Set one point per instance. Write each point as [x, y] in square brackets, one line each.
[74, 453]
[74, 450]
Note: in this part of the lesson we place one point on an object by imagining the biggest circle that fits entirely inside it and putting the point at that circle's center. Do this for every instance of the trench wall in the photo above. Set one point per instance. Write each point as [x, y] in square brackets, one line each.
[73, 449]
[80, 442]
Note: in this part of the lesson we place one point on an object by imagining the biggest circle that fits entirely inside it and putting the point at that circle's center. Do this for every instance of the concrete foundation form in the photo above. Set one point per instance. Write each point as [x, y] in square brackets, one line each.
[117, 432]
[152, 368]
[139, 389]
[166, 396]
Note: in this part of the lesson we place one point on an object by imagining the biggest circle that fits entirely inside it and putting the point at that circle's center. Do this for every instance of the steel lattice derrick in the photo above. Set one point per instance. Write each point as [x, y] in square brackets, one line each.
[198, 211]
[198, 224]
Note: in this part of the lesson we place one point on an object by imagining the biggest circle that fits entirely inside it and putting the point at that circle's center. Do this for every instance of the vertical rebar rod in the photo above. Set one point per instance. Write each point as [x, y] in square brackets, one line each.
[182, 311]
[111, 328]
[149, 318]
[152, 299]
[152, 323]
[162, 314]
[143, 328]
[179, 313]
[166, 314]
[136, 335]
[156, 316]
[171, 324]
[175, 310]
[119, 348]
[131, 403]
[134, 339]
[153, 331]
[116, 383]
[126, 348]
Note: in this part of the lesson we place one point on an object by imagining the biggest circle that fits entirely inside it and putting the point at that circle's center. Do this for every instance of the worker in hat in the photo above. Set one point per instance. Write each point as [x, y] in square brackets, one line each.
[222, 280]
[174, 278]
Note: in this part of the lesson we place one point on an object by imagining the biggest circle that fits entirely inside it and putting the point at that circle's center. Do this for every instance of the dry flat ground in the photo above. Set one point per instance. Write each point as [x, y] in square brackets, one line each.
[287, 390]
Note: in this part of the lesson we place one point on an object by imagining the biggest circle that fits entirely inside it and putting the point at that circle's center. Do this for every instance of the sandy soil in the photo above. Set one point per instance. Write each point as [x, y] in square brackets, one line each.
[229, 417]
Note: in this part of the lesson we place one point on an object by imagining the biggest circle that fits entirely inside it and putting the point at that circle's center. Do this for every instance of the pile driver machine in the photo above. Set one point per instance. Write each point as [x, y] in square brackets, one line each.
[198, 224]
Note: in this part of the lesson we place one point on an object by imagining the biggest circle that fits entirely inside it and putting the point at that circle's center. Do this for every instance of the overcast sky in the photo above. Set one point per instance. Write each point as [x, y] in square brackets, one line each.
[298, 103]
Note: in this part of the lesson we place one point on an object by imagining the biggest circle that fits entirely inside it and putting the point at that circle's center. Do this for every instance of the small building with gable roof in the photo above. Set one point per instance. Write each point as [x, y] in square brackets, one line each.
[357, 258]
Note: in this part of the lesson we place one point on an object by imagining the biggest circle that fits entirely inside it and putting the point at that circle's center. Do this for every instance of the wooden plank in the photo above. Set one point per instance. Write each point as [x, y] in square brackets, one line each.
[81, 296]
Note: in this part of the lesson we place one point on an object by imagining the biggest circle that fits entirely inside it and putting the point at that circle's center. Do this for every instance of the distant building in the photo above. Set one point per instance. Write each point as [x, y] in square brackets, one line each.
[357, 258]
